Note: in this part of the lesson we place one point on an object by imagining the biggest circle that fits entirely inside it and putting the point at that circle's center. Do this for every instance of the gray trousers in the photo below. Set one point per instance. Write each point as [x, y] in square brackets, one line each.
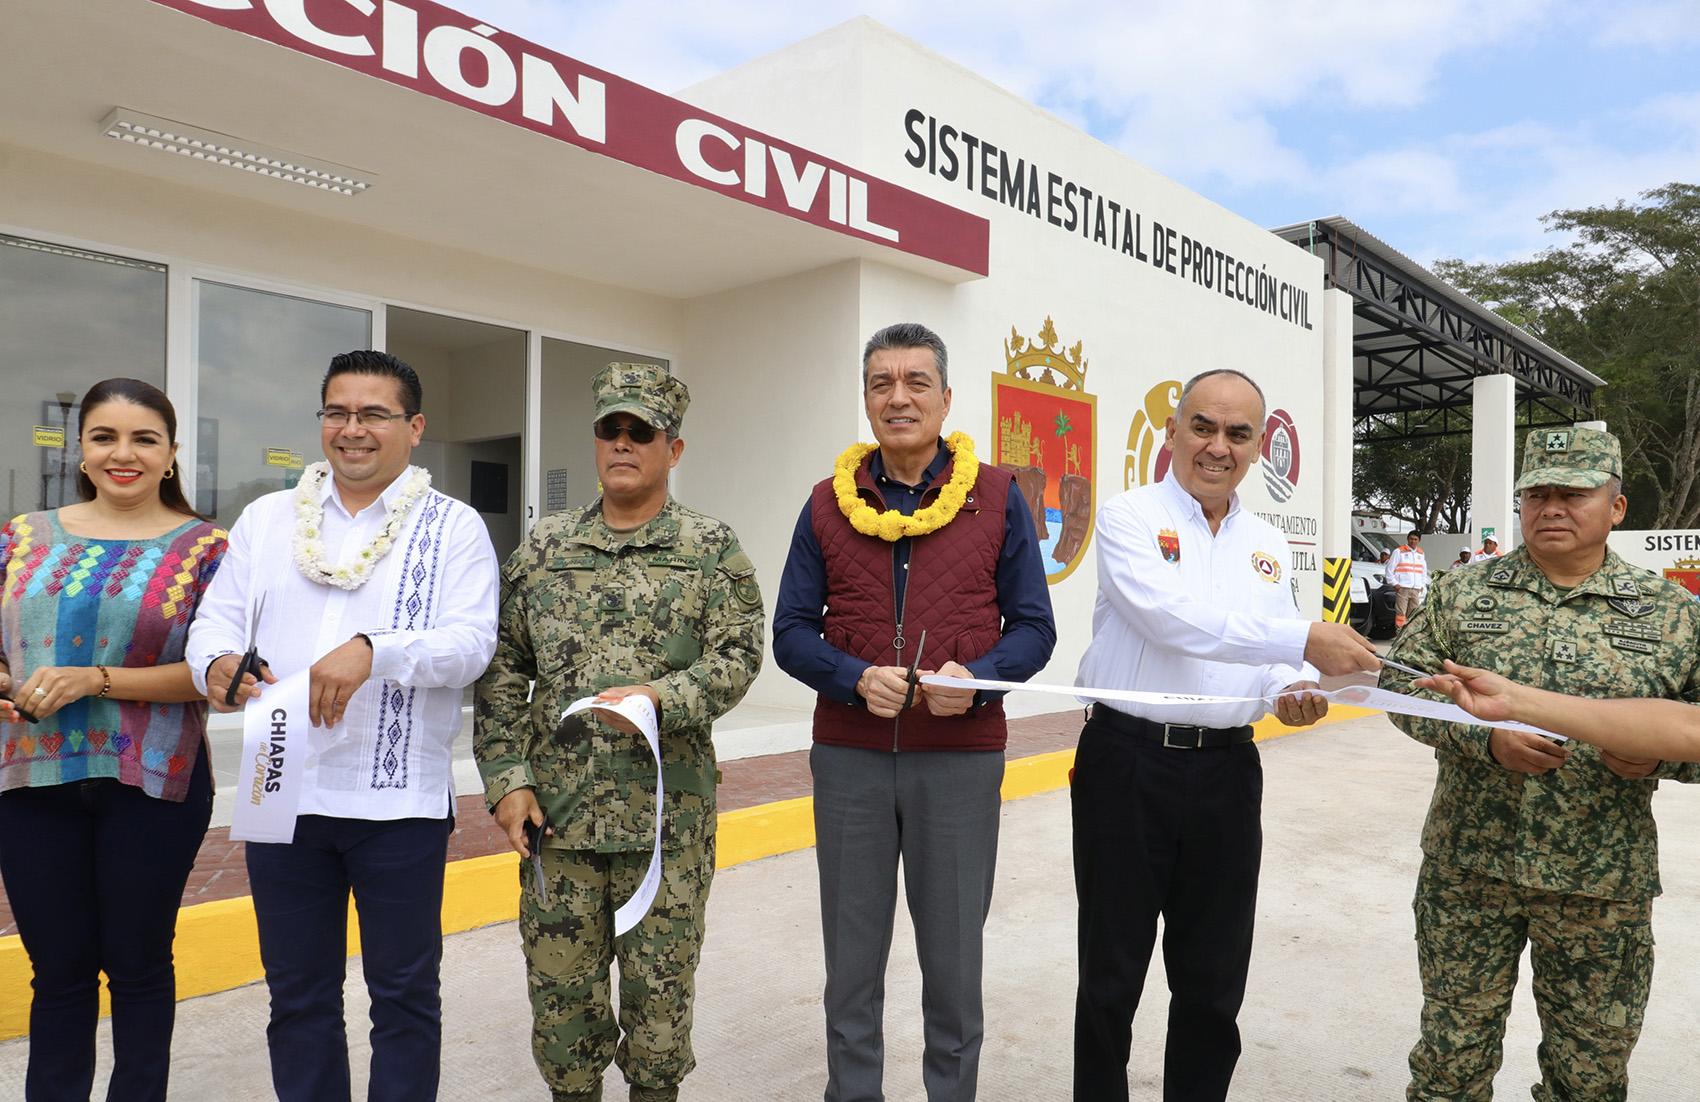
[938, 812]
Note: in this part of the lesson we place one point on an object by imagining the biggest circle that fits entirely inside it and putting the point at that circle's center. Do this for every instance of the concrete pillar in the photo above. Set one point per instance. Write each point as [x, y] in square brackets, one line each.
[1337, 388]
[1493, 451]
[1336, 423]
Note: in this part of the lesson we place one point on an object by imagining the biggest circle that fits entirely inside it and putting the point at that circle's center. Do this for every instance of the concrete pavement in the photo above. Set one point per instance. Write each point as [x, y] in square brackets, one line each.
[1330, 1013]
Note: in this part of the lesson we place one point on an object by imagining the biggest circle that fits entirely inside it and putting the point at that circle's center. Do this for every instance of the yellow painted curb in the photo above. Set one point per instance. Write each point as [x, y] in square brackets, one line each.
[218, 947]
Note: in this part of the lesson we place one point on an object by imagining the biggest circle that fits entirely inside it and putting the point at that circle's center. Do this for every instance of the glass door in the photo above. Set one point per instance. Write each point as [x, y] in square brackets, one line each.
[473, 377]
[68, 319]
[259, 359]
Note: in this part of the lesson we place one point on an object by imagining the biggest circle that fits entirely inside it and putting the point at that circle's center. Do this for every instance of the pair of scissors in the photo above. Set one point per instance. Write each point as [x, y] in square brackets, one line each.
[251, 662]
[534, 836]
[1404, 668]
[911, 677]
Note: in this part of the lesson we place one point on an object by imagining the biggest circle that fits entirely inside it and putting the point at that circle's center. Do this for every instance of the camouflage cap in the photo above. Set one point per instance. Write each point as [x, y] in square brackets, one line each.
[645, 390]
[1577, 457]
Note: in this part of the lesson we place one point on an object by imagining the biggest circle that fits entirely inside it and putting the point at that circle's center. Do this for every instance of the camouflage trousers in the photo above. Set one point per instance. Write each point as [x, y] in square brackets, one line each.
[1593, 968]
[569, 944]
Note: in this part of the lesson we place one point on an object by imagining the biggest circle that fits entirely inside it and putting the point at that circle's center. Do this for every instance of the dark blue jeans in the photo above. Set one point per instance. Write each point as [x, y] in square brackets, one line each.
[395, 869]
[94, 871]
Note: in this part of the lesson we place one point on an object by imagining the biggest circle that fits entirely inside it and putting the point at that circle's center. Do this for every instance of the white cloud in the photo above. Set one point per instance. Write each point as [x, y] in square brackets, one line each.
[1661, 24]
[1200, 92]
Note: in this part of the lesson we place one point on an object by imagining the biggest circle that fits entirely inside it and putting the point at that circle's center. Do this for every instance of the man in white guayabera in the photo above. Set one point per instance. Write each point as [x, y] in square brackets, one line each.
[383, 590]
[1193, 598]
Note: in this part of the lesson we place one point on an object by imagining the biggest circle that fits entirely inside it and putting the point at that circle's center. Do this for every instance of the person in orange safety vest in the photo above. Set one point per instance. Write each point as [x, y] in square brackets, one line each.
[1407, 572]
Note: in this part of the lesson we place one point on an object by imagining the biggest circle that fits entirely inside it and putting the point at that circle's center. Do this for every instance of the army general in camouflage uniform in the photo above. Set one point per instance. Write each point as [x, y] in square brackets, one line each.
[633, 595]
[1532, 841]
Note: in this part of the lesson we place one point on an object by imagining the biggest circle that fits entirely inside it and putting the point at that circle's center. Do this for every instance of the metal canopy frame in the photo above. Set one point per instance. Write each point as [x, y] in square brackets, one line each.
[1419, 344]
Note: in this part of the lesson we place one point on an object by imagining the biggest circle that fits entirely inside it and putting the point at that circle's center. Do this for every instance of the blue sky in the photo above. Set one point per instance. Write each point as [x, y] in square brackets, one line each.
[1447, 128]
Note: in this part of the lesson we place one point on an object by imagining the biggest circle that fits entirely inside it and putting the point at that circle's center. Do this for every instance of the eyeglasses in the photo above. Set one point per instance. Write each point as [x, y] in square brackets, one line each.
[370, 418]
[641, 432]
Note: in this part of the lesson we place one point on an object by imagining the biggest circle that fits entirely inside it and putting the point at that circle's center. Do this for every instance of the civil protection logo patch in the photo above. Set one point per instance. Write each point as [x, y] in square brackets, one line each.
[1169, 543]
[1280, 455]
[1268, 567]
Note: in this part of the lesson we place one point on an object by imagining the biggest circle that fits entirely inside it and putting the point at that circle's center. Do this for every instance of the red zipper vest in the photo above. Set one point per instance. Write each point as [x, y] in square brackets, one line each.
[951, 594]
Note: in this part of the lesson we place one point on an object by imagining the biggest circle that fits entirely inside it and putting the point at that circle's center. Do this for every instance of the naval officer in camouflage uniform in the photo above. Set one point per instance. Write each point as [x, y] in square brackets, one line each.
[634, 594]
[1532, 841]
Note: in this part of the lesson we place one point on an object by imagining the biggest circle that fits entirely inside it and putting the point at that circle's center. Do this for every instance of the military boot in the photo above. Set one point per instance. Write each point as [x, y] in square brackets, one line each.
[594, 1095]
[654, 1094]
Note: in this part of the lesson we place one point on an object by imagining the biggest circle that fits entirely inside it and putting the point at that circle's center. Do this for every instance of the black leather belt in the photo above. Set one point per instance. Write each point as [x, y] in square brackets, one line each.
[1175, 736]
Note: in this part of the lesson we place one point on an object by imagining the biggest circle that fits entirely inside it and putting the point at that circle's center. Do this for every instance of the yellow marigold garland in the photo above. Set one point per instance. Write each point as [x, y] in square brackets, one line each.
[892, 525]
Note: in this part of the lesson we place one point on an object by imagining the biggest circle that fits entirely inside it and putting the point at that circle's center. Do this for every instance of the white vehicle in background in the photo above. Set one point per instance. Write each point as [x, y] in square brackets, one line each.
[1373, 600]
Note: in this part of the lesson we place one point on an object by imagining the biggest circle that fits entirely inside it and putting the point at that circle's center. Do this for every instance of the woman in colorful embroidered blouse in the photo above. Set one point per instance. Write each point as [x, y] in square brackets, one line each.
[105, 786]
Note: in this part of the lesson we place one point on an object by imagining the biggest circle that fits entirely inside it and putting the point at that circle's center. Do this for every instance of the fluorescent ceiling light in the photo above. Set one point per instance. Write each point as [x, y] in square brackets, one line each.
[239, 153]
[78, 254]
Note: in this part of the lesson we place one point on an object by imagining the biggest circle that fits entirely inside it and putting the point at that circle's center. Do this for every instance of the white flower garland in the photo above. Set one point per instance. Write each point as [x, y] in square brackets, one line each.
[309, 548]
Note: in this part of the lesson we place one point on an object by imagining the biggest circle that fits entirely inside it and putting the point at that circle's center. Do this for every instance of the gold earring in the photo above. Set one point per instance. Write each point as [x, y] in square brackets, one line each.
[170, 472]
[84, 467]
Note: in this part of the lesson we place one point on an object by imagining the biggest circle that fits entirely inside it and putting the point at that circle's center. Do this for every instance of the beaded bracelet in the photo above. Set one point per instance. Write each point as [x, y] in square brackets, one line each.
[106, 682]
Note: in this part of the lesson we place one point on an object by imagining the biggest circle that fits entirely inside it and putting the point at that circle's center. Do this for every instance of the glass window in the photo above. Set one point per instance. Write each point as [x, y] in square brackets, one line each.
[261, 358]
[68, 319]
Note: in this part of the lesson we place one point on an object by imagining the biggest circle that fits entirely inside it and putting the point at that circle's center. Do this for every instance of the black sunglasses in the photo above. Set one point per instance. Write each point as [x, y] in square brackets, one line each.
[641, 432]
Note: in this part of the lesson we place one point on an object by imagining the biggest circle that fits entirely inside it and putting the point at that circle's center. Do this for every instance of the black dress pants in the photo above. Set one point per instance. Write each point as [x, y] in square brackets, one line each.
[95, 871]
[1176, 833]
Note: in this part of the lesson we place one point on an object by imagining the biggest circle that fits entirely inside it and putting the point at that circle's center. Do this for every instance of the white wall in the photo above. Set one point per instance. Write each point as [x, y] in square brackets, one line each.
[55, 196]
[1140, 325]
[775, 373]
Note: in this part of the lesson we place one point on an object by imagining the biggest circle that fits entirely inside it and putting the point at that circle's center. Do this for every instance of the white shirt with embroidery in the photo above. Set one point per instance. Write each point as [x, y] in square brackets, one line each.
[429, 608]
[1183, 610]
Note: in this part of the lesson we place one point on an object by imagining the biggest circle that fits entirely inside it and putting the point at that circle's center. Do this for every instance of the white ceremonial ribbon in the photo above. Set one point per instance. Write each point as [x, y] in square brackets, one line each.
[275, 735]
[641, 712]
[1364, 696]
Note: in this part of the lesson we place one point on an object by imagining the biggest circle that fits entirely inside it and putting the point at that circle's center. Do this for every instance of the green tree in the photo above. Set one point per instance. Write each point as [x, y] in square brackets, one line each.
[1622, 299]
[1424, 482]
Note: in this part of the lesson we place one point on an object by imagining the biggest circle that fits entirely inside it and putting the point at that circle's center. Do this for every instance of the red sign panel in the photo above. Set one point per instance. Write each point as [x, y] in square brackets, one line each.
[442, 53]
[1045, 436]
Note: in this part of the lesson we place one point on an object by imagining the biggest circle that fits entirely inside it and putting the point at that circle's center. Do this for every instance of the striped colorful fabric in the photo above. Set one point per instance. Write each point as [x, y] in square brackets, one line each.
[73, 601]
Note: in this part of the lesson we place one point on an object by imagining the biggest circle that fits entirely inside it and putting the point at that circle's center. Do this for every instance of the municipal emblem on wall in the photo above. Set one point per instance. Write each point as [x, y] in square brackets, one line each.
[1147, 458]
[1044, 428]
[1686, 573]
[1280, 455]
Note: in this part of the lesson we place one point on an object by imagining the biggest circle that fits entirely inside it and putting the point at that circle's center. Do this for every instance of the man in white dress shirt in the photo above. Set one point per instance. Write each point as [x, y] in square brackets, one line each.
[1193, 598]
[385, 590]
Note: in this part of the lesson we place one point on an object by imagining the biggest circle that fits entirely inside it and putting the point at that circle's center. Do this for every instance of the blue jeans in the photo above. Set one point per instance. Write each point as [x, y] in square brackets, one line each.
[94, 871]
[395, 869]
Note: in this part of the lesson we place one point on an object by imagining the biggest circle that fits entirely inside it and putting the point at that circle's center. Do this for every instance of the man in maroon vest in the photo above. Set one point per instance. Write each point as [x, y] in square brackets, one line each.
[911, 536]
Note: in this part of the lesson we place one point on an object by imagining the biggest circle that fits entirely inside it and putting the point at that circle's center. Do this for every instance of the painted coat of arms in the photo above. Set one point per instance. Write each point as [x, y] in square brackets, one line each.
[1045, 427]
[1686, 573]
